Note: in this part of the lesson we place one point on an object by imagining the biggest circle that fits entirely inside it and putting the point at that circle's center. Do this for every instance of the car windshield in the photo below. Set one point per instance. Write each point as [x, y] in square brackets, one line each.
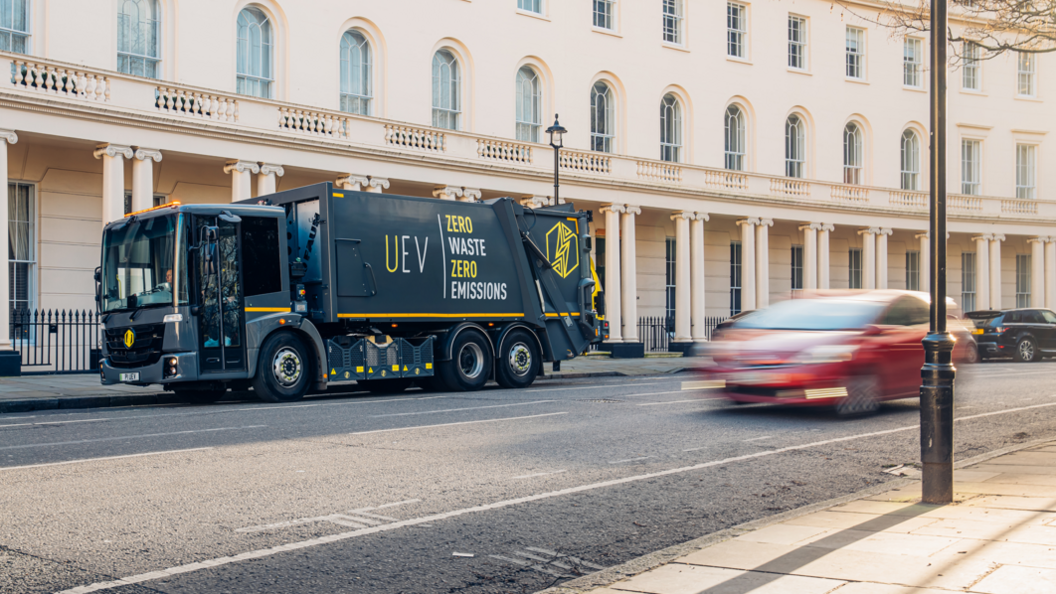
[140, 263]
[815, 314]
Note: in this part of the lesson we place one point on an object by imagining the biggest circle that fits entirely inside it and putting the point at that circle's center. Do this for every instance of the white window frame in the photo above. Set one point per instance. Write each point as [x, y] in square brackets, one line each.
[31, 262]
[795, 148]
[853, 154]
[971, 68]
[735, 142]
[1026, 171]
[528, 105]
[673, 21]
[854, 64]
[736, 278]
[798, 42]
[603, 141]
[1026, 74]
[449, 117]
[1023, 280]
[913, 63]
[362, 102]
[797, 267]
[737, 30]
[10, 34]
[532, 6]
[854, 267]
[671, 129]
[913, 270]
[971, 166]
[265, 80]
[909, 156]
[670, 275]
[968, 281]
[606, 16]
[150, 65]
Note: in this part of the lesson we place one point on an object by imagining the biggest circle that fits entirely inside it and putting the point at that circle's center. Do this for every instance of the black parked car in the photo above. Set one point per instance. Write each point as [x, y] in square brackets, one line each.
[1023, 334]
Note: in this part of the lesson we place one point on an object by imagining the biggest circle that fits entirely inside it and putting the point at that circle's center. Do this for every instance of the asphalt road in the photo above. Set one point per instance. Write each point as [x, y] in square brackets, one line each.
[493, 492]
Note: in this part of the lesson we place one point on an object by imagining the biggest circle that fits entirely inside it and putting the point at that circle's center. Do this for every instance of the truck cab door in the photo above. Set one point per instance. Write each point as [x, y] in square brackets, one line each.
[221, 319]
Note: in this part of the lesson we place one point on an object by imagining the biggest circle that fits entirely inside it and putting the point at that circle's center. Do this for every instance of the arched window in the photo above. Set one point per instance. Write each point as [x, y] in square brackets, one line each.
[795, 146]
[138, 37]
[356, 73]
[447, 104]
[529, 105]
[602, 118]
[735, 141]
[852, 154]
[255, 44]
[910, 160]
[14, 26]
[670, 129]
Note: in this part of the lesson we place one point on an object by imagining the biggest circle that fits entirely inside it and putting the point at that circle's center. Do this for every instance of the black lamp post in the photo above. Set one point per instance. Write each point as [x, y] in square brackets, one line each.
[558, 143]
[938, 373]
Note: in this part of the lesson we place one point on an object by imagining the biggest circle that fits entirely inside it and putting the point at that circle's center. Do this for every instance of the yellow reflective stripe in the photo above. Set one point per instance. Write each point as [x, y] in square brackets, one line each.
[432, 315]
[557, 315]
[269, 309]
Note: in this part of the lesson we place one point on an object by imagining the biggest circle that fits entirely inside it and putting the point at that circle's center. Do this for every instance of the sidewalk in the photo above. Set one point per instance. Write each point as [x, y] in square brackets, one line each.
[47, 392]
[999, 537]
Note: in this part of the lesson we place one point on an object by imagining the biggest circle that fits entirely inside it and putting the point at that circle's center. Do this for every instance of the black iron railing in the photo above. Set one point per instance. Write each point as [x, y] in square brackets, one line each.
[56, 341]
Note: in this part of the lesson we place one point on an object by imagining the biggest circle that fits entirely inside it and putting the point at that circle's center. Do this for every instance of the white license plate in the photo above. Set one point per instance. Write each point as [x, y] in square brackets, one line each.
[130, 377]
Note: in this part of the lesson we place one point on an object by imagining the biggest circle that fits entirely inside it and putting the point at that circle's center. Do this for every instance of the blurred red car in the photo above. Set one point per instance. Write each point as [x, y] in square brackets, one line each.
[850, 350]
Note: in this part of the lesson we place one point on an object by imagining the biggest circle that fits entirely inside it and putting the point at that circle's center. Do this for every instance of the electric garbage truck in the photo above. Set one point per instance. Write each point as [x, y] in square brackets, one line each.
[292, 291]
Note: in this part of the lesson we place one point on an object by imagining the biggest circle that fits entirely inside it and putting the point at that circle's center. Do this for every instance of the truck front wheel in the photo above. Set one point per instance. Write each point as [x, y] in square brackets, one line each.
[518, 363]
[468, 368]
[284, 369]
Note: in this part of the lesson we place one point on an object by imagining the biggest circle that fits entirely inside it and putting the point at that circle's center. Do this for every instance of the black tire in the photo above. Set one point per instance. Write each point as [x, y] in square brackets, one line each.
[201, 396]
[387, 386]
[863, 397]
[519, 360]
[1026, 350]
[470, 363]
[971, 355]
[284, 370]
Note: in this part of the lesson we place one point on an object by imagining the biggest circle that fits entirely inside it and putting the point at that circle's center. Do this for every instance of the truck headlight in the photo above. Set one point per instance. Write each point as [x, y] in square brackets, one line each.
[828, 353]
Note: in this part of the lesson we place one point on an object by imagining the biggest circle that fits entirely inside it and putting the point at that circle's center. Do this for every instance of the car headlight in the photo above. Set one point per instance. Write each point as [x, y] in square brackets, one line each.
[828, 353]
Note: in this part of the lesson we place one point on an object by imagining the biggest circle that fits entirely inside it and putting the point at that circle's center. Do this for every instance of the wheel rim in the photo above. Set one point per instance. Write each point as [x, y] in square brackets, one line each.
[287, 366]
[520, 359]
[1026, 350]
[471, 360]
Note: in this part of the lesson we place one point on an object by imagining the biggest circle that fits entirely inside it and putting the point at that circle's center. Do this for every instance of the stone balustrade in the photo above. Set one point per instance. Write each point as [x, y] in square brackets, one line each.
[506, 152]
[659, 171]
[789, 186]
[849, 194]
[962, 202]
[1020, 207]
[585, 162]
[906, 199]
[195, 104]
[415, 138]
[313, 122]
[60, 80]
[726, 180]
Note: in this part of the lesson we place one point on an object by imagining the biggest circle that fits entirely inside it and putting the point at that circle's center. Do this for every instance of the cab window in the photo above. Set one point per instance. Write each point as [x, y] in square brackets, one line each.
[907, 311]
[260, 254]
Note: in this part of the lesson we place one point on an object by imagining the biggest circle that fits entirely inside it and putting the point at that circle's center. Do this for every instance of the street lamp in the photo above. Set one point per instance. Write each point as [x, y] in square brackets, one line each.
[938, 373]
[558, 143]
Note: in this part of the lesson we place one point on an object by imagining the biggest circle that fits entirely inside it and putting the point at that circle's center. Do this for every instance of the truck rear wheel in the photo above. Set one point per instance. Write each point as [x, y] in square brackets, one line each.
[518, 362]
[468, 368]
[284, 369]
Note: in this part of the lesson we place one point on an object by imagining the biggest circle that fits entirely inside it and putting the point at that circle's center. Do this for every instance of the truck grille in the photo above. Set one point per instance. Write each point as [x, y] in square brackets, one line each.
[145, 349]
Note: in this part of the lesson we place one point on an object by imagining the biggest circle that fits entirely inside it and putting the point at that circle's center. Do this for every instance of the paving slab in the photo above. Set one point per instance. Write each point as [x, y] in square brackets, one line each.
[678, 578]
[1018, 580]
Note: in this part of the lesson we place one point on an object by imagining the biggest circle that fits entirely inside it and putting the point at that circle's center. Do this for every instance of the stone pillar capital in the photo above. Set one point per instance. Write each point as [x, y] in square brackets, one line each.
[143, 154]
[632, 210]
[684, 215]
[923, 235]
[828, 227]
[613, 208]
[270, 168]
[749, 222]
[811, 226]
[885, 231]
[983, 237]
[241, 167]
[702, 216]
[9, 136]
[445, 192]
[535, 201]
[766, 222]
[348, 182]
[379, 183]
[112, 150]
[998, 237]
[869, 231]
[1040, 240]
[470, 194]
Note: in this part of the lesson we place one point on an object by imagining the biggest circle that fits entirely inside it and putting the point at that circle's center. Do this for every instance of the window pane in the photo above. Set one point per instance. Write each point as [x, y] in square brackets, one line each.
[970, 78]
[795, 146]
[673, 21]
[736, 29]
[356, 73]
[1026, 74]
[910, 160]
[912, 62]
[852, 154]
[602, 127]
[670, 129]
[531, 5]
[854, 269]
[446, 90]
[670, 275]
[735, 277]
[528, 105]
[253, 54]
[968, 281]
[260, 246]
[734, 138]
[971, 159]
[604, 14]
[797, 267]
[797, 42]
[1025, 172]
[855, 52]
[1023, 280]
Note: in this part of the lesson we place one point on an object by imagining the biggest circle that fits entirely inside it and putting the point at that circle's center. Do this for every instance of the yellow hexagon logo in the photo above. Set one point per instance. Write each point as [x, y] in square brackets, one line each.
[562, 249]
[130, 338]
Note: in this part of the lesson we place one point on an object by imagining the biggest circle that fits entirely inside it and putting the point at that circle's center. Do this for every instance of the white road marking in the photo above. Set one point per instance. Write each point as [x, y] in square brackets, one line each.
[631, 460]
[669, 402]
[524, 476]
[704, 385]
[332, 538]
[354, 520]
[760, 438]
[559, 555]
[106, 458]
[54, 423]
[458, 423]
[446, 410]
[387, 505]
[98, 439]
[693, 449]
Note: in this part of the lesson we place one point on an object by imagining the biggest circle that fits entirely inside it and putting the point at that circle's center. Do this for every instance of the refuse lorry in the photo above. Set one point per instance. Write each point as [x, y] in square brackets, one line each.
[292, 291]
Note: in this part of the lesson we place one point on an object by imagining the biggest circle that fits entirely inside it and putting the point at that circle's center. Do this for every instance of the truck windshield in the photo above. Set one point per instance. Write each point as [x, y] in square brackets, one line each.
[141, 263]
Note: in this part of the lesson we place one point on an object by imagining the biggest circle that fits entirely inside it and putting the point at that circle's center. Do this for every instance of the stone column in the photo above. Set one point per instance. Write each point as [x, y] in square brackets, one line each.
[470, 195]
[982, 271]
[267, 182]
[696, 276]
[823, 255]
[869, 257]
[748, 262]
[1050, 272]
[10, 363]
[683, 289]
[629, 278]
[1037, 271]
[762, 262]
[143, 178]
[612, 288]
[241, 178]
[352, 183]
[881, 258]
[447, 192]
[810, 255]
[113, 156]
[925, 262]
[377, 185]
[995, 270]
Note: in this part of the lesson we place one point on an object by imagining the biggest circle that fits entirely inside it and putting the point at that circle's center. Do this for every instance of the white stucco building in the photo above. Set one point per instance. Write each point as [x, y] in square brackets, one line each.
[741, 150]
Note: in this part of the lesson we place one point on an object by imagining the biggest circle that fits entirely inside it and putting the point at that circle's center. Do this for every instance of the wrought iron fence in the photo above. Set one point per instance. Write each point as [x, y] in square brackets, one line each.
[658, 332]
[56, 341]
